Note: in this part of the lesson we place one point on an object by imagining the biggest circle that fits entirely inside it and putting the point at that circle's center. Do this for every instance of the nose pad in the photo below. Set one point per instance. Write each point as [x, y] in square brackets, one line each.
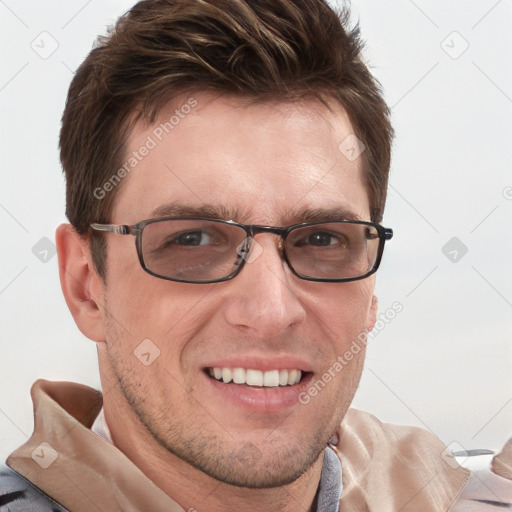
[249, 250]
[243, 251]
[281, 247]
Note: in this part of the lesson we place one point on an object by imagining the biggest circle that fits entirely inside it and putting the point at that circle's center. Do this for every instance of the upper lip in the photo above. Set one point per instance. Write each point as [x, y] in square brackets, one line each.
[262, 363]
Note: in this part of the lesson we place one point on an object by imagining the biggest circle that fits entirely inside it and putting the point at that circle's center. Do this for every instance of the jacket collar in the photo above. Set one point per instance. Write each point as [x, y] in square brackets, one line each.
[389, 467]
[73, 465]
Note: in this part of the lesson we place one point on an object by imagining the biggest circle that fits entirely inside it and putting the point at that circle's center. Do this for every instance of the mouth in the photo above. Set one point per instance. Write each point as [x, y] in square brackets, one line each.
[249, 377]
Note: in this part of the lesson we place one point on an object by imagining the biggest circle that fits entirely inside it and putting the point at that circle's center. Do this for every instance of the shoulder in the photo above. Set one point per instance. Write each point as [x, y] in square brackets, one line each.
[392, 467]
[412, 467]
[366, 442]
[379, 438]
[18, 495]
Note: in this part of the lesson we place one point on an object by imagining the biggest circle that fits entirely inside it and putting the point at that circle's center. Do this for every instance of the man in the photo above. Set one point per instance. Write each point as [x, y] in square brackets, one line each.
[226, 166]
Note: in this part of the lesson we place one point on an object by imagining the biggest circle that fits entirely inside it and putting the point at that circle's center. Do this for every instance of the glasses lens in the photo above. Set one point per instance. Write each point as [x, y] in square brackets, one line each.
[191, 250]
[334, 250]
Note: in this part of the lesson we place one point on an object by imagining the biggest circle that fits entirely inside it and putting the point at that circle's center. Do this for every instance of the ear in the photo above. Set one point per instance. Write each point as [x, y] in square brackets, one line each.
[372, 314]
[83, 288]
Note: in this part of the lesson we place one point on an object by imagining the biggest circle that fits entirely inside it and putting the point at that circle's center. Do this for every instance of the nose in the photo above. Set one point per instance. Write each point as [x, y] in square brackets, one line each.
[262, 299]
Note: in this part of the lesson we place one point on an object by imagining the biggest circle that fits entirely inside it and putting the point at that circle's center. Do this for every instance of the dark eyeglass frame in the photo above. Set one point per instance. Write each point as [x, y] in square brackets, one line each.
[251, 230]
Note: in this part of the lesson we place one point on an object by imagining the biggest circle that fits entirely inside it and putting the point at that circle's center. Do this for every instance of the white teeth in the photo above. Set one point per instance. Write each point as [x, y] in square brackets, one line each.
[226, 375]
[293, 377]
[238, 375]
[271, 379]
[254, 378]
[251, 377]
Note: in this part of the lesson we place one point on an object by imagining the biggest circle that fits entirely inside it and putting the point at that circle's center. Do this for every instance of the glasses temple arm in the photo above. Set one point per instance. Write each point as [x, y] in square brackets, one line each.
[118, 229]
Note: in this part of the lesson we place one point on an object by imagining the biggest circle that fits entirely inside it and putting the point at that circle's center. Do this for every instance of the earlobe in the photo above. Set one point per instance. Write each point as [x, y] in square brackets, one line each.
[82, 287]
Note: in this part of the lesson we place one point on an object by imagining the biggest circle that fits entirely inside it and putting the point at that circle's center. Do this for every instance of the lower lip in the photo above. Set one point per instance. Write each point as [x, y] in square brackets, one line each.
[260, 399]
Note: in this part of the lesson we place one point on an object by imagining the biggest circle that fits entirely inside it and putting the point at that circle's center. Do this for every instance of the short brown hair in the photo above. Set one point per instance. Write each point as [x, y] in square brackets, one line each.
[261, 49]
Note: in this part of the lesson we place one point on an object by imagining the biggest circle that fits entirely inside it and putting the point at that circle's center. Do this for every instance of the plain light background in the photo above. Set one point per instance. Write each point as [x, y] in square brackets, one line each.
[444, 362]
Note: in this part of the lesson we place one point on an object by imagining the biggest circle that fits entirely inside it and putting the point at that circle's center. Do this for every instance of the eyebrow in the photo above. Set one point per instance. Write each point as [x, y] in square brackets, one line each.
[211, 211]
[317, 214]
[206, 210]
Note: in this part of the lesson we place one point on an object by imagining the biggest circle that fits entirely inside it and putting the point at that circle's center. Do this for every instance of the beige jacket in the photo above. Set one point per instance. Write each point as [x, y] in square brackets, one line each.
[386, 468]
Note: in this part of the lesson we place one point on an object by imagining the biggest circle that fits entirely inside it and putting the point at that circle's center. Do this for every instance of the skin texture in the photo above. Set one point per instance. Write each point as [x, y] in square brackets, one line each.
[266, 163]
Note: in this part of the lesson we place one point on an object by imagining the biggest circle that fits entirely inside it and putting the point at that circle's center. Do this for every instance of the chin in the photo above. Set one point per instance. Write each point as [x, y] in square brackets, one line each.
[245, 465]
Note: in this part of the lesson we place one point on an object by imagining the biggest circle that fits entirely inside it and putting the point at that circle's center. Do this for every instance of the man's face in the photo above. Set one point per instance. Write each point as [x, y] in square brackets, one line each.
[267, 164]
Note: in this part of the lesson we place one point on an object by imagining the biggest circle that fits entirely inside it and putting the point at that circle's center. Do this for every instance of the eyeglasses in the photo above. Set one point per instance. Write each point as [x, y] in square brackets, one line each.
[203, 250]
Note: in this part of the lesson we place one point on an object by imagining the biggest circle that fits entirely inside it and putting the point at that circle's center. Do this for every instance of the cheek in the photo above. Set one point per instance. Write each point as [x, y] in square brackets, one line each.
[158, 315]
[344, 310]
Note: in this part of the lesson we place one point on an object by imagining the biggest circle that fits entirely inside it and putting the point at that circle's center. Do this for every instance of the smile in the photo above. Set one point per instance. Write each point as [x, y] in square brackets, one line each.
[258, 378]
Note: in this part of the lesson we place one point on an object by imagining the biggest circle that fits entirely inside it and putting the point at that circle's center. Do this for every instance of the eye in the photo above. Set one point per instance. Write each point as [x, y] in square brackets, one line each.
[322, 239]
[191, 238]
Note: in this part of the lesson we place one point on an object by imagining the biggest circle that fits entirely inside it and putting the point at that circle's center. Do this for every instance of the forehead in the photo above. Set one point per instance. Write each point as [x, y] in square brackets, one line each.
[263, 163]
